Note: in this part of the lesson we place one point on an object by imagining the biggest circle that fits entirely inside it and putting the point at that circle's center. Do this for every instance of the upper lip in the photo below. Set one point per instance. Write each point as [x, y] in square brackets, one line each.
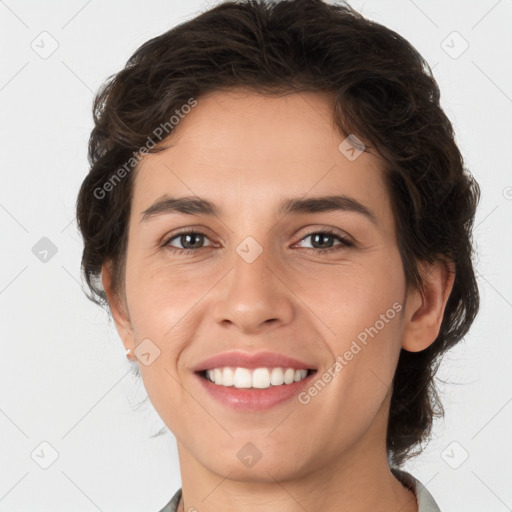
[253, 360]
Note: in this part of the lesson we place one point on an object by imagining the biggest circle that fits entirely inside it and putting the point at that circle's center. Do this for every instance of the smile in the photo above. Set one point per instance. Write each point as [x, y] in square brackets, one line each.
[257, 378]
[244, 395]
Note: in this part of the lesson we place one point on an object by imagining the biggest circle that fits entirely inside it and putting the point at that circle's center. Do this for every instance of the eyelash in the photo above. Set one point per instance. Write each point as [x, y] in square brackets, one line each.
[345, 242]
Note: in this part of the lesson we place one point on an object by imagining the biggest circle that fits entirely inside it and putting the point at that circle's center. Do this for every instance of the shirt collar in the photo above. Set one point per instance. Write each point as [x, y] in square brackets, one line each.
[426, 502]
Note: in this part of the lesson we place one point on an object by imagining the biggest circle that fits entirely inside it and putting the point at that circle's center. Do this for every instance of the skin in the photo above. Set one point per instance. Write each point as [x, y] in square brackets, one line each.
[246, 152]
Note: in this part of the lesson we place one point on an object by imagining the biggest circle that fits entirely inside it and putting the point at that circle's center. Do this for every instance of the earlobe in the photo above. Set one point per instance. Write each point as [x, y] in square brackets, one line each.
[424, 310]
[118, 309]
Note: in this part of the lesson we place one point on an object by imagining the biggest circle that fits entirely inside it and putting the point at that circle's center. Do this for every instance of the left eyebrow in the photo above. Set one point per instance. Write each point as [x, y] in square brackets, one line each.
[327, 204]
[200, 206]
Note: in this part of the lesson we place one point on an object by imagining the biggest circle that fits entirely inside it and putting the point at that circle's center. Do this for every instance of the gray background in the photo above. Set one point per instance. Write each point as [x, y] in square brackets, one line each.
[65, 380]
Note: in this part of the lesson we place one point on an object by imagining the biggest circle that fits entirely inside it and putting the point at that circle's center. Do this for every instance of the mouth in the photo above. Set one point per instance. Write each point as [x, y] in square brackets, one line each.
[253, 381]
[257, 378]
[255, 390]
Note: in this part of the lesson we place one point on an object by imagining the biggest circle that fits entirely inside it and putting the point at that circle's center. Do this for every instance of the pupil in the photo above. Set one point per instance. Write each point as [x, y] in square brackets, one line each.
[188, 237]
[322, 237]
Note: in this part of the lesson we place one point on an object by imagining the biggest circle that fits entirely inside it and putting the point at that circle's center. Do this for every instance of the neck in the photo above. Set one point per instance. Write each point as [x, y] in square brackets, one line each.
[359, 480]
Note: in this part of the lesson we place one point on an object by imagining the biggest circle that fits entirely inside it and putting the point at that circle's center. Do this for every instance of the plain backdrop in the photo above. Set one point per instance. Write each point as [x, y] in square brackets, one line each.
[66, 391]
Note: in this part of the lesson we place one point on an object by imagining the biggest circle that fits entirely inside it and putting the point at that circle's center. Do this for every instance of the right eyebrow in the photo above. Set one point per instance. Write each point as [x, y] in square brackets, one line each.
[186, 205]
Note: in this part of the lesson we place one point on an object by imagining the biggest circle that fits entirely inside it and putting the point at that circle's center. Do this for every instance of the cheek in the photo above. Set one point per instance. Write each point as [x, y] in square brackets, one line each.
[361, 305]
[159, 294]
[164, 304]
[357, 299]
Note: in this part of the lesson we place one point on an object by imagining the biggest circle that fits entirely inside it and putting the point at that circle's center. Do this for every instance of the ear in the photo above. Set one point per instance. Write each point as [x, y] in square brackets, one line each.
[424, 311]
[119, 310]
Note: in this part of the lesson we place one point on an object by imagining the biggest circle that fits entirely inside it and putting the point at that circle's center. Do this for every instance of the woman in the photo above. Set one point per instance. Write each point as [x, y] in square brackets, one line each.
[279, 220]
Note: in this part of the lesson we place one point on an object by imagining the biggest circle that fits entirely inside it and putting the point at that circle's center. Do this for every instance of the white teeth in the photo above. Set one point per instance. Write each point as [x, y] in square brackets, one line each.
[228, 377]
[277, 377]
[289, 375]
[298, 375]
[259, 378]
[242, 378]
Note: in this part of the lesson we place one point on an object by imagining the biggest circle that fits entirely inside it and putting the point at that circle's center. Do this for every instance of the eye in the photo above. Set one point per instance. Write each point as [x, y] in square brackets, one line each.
[192, 241]
[325, 240]
[189, 240]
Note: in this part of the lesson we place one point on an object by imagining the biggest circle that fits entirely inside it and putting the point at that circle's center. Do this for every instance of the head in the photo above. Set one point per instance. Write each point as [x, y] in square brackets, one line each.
[248, 105]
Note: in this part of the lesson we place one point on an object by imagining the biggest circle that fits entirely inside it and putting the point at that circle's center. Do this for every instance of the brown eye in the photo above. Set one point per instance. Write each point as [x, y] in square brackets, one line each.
[190, 241]
[324, 241]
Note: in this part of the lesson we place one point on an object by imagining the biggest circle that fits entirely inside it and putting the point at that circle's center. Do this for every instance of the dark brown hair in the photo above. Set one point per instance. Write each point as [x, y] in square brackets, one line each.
[383, 91]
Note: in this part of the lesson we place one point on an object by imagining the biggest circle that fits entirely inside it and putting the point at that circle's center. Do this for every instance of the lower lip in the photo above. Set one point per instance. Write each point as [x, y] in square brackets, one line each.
[250, 399]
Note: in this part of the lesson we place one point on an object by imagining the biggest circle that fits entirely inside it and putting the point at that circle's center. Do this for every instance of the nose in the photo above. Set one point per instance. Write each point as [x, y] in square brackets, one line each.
[254, 297]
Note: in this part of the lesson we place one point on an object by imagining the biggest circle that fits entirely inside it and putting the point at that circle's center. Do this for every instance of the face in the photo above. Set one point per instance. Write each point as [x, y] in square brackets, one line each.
[324, 287]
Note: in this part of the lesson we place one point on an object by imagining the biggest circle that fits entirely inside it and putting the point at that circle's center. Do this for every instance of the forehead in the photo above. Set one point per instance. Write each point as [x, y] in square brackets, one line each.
[243, 150]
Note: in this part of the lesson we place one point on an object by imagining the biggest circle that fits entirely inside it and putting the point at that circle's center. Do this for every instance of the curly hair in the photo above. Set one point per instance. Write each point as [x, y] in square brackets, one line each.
[383, 91]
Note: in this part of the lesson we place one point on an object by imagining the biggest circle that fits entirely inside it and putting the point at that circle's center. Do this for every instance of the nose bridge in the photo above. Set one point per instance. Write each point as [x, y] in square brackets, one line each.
[253, 295]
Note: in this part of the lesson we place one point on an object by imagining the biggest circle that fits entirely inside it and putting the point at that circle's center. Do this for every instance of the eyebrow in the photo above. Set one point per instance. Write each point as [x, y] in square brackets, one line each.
[191, 205]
